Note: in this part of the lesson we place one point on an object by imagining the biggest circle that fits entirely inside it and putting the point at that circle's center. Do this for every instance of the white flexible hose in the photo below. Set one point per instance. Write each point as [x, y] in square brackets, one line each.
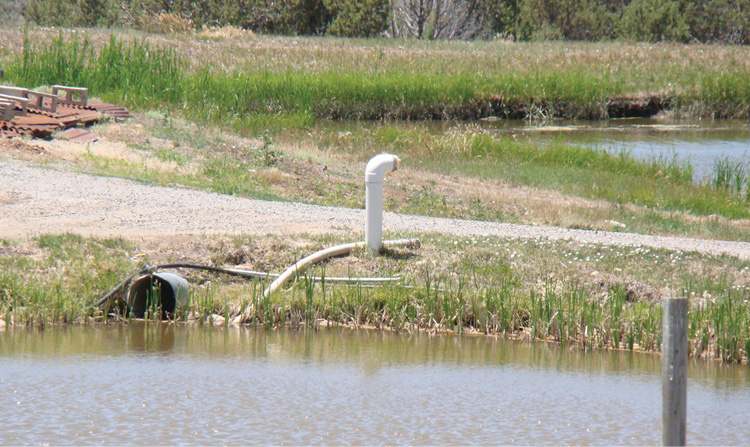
[322, 255]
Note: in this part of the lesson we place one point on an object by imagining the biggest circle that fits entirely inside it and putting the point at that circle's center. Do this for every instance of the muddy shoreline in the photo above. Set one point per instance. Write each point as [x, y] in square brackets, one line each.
[498, 107]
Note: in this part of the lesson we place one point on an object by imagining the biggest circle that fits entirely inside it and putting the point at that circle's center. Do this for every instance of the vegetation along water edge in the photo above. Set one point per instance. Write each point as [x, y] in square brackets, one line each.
[593, 296]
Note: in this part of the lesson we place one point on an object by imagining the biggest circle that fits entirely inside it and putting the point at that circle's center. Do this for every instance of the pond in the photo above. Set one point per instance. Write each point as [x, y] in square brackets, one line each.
[166, 384]
[700, 143]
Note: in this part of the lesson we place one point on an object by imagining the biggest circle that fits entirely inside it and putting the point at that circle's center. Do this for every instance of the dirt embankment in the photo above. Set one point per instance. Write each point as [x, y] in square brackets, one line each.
[640, 106]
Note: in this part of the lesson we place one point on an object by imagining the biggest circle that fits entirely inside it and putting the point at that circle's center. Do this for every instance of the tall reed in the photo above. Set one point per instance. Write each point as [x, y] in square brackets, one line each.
[130, 71]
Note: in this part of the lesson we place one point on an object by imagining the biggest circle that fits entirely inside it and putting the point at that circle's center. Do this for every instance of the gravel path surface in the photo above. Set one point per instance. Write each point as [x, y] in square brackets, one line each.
[36, 200]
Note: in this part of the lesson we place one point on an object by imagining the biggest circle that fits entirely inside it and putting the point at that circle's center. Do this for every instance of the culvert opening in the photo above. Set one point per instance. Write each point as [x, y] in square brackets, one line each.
[157, 292]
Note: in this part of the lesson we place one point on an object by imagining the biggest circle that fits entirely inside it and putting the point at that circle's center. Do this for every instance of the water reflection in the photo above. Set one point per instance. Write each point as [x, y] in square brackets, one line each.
[192, 385]
[368, 349]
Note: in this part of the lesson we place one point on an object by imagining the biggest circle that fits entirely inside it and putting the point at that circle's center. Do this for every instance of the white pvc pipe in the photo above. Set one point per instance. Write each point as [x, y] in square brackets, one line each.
[375, 172]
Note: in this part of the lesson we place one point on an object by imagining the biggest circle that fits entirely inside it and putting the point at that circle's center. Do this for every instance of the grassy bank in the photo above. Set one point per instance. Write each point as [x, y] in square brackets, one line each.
[463, 172]
[249, 80]
[573, 294]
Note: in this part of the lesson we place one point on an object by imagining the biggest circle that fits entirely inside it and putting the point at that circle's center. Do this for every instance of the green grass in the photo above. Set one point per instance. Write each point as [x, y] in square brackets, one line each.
[357, 95]
[217, 174]
[732, 177]
[57, 286]
[562, 154]
[721, 95]
[617, 179]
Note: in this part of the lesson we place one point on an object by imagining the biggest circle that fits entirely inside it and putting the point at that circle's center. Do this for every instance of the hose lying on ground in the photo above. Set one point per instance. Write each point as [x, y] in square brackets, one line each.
[298, 267]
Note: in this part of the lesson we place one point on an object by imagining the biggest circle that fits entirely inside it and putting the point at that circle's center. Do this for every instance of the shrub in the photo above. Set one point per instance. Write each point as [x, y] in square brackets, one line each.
[57, 13]
[94, 12]
[501, 16]
[290, 17]
[163, 23]
[593, 20]
[11, 12]
[538, 20]
[358, 18]
[564, 19]
[654, 21]
[72, 13]
[725, 21]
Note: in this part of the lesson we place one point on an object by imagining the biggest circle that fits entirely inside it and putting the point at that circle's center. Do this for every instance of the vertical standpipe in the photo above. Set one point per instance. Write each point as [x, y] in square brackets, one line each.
[375, 171]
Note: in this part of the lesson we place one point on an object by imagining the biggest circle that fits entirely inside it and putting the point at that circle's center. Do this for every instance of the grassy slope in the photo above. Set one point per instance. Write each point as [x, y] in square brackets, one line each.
[464, 173]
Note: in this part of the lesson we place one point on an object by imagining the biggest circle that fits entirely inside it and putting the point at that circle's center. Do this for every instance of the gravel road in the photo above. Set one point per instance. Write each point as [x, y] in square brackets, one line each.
[36, 200]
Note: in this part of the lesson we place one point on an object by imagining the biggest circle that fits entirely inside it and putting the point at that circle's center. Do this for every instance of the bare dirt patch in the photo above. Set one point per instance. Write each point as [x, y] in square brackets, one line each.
[21, 147]
[20, 248]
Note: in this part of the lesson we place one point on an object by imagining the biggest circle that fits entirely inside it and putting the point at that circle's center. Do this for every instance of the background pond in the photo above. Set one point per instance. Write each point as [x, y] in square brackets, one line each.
[699, 142]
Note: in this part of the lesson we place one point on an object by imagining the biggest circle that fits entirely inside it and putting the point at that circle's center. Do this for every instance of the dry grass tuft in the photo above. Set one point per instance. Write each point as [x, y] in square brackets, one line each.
[272, 176]
[459, 139]
[225, 32]
[163, 23]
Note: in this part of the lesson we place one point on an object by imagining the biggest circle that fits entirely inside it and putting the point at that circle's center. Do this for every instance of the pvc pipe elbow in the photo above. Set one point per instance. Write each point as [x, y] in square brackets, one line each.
[380, 165]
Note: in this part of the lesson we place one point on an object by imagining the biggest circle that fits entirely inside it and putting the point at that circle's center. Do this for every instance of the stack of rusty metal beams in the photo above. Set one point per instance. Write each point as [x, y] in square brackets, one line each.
[28, 112]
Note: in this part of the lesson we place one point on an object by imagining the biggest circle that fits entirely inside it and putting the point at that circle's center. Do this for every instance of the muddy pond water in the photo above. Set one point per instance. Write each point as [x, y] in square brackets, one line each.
[165, 384]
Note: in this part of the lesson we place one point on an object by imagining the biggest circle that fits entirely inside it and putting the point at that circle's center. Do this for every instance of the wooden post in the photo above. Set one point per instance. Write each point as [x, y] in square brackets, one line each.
[674, 370]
